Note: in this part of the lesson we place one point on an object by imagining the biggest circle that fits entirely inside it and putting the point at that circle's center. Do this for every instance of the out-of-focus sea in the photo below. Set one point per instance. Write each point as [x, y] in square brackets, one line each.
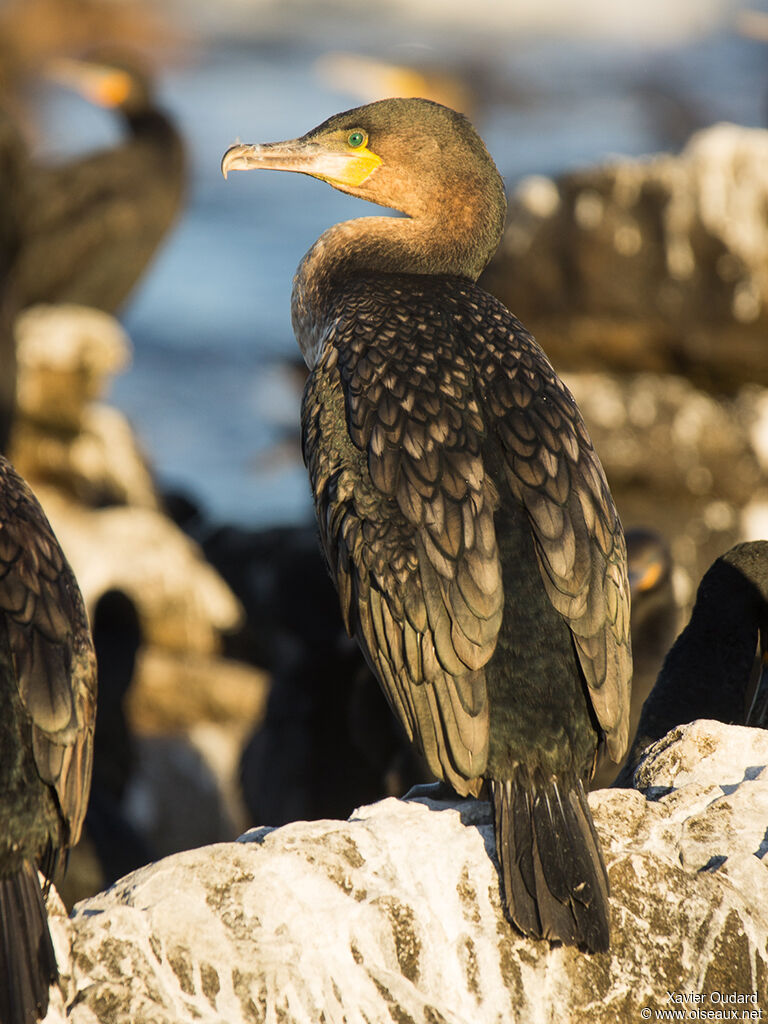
[210, 323]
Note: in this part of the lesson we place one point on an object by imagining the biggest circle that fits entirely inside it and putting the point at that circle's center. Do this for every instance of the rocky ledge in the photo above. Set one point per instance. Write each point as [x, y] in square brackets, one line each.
[394, 915]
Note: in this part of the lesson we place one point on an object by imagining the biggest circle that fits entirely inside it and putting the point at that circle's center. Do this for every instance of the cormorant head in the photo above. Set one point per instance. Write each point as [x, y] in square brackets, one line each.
[746, 566]
[106, 81]
[413, 155]
[649, 561]
[737, 584]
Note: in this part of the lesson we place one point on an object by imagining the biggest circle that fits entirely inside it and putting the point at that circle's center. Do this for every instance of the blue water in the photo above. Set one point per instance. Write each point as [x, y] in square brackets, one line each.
[210, 323]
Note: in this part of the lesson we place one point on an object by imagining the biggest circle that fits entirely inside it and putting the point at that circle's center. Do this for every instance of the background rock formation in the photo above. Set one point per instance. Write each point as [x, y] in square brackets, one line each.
[655, 265]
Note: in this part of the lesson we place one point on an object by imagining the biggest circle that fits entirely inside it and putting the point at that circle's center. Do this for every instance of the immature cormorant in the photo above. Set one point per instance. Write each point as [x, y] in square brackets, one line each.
[47, 709]
[463, 512]
[91, 226]
[711, 670]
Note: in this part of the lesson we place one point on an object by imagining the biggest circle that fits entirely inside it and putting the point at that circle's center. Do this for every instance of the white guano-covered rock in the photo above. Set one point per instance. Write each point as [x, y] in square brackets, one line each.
[395, 914]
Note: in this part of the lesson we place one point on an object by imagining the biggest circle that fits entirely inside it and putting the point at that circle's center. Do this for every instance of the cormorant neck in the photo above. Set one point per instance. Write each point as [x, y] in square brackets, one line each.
[149, 122]
[458, 241]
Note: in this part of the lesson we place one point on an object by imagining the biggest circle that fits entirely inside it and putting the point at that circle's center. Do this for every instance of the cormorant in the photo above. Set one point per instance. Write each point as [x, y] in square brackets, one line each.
[47, 710]
[463, 512]
[711, 670]
[117, 638]
[90, 226]
[653, 624]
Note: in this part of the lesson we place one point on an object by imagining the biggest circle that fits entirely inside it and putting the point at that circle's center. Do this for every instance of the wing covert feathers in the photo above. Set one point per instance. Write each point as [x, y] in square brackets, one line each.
[417, 399]
[50, 645]
[551, 467]
[405, 509]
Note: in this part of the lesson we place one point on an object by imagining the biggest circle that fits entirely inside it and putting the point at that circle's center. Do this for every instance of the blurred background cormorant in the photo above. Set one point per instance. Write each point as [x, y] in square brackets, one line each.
[112, 846]
[90, 226]
[13, 168]
[85, 230]
[717, 666]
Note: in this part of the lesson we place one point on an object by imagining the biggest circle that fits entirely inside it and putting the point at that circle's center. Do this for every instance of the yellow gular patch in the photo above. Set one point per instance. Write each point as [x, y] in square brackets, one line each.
[650, 577]
[350, 168]
[112, 89]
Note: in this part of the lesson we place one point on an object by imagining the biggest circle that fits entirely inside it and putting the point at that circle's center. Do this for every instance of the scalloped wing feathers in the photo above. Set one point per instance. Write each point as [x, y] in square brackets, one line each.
[405, 509]
[399, 418]
[551, 467]
[50, 643]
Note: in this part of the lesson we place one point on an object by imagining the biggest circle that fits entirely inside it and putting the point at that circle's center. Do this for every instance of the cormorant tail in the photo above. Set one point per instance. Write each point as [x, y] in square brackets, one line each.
[27, 960]
[554, 882]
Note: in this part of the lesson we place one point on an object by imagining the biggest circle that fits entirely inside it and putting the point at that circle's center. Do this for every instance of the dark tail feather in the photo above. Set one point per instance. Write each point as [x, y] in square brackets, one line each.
[27, 961]
[554, 882]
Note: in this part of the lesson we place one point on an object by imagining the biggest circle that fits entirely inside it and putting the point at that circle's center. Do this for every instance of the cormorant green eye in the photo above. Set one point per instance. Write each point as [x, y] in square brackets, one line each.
[356, 139]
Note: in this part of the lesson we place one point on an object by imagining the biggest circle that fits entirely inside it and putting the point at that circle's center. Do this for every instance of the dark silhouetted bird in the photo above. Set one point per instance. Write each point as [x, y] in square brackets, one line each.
[47, 710]
[117, 637]
[84, 231]
[328, 742]
[711, 670]
[462, 509]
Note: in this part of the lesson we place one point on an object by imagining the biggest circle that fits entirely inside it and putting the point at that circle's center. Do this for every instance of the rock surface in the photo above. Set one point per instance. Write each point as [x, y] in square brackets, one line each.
[99, 464]
[217, 690]
[395, 914]
[82, 460]
[63, 434]
[658, 265]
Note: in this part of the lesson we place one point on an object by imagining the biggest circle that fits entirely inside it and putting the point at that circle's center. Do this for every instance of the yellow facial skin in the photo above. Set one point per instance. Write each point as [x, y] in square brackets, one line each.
[353, 168]
[113, 89]
[343, 159]
[104, 86]
[651, 577]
